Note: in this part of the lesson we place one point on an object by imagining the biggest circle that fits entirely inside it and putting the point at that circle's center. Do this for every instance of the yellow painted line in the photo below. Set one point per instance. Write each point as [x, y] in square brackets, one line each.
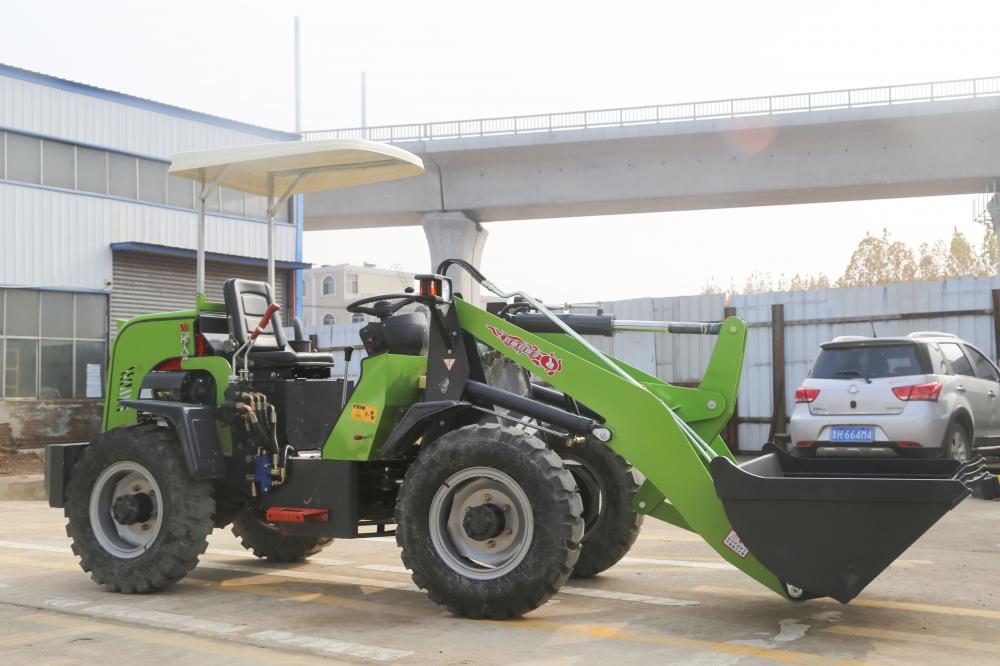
[604, 632]
[39, 563]
[169, 639]
[958, 611]
[36, 636]
[914, 637]
[572, 630]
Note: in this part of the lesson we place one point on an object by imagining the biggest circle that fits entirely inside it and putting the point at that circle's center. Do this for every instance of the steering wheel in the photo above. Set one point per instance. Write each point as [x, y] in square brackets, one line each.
[385, 305]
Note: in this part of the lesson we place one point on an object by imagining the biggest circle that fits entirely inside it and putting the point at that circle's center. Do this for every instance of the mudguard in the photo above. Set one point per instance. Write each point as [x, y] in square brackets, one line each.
[195, 428]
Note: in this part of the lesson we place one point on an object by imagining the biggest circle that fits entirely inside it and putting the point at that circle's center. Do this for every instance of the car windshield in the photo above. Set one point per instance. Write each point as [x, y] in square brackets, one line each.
[869, 362]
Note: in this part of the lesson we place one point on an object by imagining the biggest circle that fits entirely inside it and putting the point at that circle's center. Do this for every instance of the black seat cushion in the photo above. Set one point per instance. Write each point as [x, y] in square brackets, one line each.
[246, 302]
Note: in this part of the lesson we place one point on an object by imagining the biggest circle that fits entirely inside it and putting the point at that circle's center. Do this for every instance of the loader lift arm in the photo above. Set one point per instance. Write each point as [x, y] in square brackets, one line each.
[817, 537]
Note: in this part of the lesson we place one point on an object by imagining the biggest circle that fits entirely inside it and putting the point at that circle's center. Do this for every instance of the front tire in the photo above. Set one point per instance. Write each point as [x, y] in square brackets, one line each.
[489, 521]
[137, 519]
[265, 540]
[607, 485]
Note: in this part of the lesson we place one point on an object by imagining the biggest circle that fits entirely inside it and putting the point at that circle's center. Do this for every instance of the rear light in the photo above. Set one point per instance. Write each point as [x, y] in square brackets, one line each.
[929, 392]
[804, 445]
[806, 395]
[909, 445]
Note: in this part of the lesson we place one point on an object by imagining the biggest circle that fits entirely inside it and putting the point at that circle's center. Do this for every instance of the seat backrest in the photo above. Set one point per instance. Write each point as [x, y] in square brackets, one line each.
[246, 302]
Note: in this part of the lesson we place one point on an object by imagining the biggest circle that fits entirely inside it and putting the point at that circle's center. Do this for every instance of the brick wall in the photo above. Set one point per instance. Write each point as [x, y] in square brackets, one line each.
[34, 423]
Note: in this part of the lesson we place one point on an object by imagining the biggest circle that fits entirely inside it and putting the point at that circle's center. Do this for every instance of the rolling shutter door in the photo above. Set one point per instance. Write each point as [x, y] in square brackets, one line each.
[144, 282]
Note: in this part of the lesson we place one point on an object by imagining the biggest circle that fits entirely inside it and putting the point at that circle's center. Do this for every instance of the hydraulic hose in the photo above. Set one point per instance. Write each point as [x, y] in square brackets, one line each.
[700, 445]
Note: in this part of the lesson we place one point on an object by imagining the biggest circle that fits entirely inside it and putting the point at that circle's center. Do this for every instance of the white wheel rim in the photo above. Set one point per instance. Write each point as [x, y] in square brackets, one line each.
[959, 448]
[125, 541]
[487, 559]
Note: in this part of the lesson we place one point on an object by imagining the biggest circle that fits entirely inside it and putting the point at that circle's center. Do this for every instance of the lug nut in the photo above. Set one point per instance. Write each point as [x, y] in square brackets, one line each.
[487, 497]
[491, 543]
[508, 532]
[136, 488]
[145, 527]
[506, 507]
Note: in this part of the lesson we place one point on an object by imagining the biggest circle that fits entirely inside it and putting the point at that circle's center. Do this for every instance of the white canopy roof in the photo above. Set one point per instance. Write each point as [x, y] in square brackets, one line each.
[318, 165]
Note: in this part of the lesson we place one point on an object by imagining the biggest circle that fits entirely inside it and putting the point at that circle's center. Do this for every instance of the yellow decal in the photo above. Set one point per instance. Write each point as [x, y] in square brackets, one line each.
[365, 413]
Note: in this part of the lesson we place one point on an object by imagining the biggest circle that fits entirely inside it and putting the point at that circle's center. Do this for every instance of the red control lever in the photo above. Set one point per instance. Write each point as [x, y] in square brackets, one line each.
[265, 320]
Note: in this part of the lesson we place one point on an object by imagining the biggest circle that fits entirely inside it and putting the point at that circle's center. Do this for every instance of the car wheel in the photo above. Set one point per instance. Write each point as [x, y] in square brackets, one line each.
[956, 443]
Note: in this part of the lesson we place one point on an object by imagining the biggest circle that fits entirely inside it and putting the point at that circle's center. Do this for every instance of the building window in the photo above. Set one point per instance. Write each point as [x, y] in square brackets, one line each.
[92, 170]
[58, 162]
[352, 283]
[329, 319]
[152, 181]
[24, 158]
[358, 318]
[329, 286]
[54, 344]
[122, 176]
[305, 287]
[30, 159]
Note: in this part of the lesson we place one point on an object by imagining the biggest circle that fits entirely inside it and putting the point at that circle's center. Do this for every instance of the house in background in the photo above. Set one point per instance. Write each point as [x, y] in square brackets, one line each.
[328, 290]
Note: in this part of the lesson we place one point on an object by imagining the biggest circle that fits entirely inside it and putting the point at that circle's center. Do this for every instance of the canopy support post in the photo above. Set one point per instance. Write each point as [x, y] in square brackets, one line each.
[272, 210]
[200, 261]
[204, 192]
[270, 231]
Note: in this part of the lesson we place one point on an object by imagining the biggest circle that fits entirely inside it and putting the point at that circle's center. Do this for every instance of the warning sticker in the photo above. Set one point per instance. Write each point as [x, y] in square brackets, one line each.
[734, 544]
[448, 363]
[366, 413]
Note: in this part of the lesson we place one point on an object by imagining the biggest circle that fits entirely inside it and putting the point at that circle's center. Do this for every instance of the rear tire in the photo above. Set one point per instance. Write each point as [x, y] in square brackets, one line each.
[266, 542]
[137, 520]
[607, 485]
[488, 520]
[956, 443]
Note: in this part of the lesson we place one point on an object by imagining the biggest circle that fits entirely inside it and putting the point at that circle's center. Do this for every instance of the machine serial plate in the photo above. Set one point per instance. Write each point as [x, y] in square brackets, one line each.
[366, 413]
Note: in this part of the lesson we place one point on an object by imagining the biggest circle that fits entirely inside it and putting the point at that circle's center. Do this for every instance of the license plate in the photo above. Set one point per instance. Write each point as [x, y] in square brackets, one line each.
[852, 434]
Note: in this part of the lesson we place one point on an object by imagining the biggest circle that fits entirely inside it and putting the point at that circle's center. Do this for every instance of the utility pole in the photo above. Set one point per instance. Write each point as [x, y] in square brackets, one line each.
[298, 81]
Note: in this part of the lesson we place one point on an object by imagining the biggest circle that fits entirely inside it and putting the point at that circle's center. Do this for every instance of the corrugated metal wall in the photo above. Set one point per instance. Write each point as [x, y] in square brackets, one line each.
[811, 317]
[33, 107]
[145, 283]
[60, 239]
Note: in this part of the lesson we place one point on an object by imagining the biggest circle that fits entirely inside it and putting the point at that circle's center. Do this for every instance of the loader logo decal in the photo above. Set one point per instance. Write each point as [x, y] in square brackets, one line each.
[547, 361]
[125, 383]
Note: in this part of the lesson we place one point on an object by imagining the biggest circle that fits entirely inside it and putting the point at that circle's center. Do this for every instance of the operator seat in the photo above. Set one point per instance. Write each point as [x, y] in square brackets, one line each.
[246, 302]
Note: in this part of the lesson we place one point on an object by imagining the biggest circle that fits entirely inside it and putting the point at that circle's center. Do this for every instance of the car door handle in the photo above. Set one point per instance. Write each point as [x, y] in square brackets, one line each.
[992, 393]
[960, 388]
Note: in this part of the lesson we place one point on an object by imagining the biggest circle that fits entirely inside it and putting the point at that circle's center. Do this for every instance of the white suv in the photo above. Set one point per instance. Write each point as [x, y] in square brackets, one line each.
[923, 395]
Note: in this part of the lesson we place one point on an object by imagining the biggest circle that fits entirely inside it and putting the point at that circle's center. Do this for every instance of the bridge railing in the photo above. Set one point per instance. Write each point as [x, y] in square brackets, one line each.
[670, 113]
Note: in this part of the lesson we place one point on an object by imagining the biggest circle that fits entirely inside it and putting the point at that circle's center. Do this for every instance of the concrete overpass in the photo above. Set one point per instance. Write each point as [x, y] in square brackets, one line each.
[895, 141]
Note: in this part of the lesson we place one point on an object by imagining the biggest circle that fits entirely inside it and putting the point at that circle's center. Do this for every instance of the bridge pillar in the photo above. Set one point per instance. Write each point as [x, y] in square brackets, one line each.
[452, 235]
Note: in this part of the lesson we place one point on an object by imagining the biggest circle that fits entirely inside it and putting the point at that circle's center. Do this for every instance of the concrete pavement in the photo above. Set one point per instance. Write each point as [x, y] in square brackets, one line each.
[672, 601]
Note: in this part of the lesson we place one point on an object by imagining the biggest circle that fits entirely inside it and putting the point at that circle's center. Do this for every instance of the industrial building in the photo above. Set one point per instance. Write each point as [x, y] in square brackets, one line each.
[94, 230]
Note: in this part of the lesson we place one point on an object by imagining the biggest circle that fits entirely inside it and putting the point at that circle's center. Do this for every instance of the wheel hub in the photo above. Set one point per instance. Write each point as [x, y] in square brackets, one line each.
[132, 509]
[126, 510]
[481, 523]
[484, 522]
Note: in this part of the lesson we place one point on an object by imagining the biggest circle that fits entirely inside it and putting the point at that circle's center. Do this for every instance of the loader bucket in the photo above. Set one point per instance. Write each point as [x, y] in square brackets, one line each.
[830, 526]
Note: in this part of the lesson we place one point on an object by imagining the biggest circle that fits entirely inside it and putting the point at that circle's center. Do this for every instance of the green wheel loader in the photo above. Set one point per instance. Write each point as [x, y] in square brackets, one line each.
[501, 448]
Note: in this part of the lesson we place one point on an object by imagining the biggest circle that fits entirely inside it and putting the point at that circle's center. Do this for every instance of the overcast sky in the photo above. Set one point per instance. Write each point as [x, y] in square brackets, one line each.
[438, 60]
